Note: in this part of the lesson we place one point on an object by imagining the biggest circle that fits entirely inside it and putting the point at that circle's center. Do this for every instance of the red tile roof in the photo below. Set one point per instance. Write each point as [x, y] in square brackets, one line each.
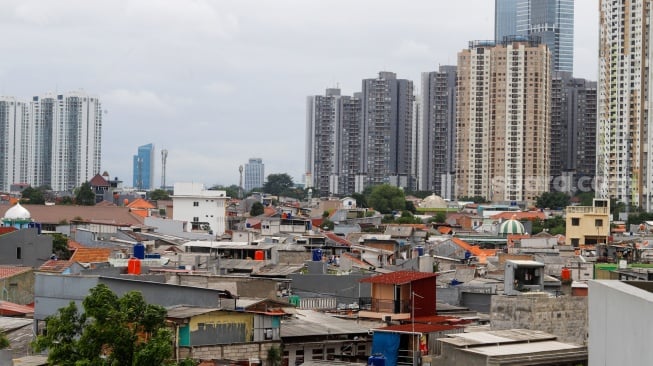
[140, 203]
[518, 215]
[474, 249]
[338, 239]
[398, 278]
[7, 230]
[67, 213]
[72, 245]
[418, 328]
[98, 181]
[55, 266]
[10, 309]
[91, 255]
[11, 271]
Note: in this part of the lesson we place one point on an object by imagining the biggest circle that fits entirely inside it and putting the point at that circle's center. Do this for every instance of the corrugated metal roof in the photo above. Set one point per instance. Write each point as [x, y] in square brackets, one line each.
[523, 348]
[309, 322]
[184, 312]
[417, 328]
[497, 337]
[398, 278]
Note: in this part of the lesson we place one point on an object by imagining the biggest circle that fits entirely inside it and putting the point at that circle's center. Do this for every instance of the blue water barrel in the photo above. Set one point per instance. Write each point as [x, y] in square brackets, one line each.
[317, 255]
[420, 250]
[376, 360]
[139, 251]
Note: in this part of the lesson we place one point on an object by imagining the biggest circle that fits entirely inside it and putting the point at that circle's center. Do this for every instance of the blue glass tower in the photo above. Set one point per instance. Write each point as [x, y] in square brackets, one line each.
[144, 167]
[550, 20]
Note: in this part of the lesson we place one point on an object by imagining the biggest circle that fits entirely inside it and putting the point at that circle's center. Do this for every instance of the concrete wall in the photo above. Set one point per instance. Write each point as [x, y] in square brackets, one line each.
[291, 256]
[18, 289]
[35, 249]
[52, 292]
[239, 351]
[448, 295]
[620, 327]
[565, 316]
[241, 286]
[346, 289]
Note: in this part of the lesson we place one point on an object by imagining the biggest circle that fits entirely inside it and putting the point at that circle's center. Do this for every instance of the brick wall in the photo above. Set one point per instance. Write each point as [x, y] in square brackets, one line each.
[564, 316]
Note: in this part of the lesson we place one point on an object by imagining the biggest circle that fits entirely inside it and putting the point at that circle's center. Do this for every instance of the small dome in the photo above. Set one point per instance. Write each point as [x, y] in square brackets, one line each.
[17, 212]
[511, 226]
[433, 201]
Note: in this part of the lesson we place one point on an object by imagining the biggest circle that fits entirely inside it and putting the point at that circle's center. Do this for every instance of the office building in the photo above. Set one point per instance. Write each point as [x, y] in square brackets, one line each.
[437, 132]
[14, 124]
[550, 20]
[503, 120]
[254, 174]
[387, 113]
[573, 133]
[143, 168]
[624, 140]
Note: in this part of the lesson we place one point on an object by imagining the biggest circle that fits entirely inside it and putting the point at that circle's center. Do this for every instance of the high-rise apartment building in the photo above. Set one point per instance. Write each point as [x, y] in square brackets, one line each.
[333, 143]
[624, 132]
[573, 133]
[14, 124]
[254, 174]
[65, 140]
[503, 120]
[550, 20]
[437, 132]
[387, 113]
[143, 167]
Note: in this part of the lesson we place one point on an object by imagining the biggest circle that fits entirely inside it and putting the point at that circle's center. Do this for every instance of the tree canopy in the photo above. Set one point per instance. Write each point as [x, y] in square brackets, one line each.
[278, 184]
[386, 198]
[159, 194]
[84, 195]
[34, 196]
[231, 191]
[257, 209]
[110, 331]
[554, 200]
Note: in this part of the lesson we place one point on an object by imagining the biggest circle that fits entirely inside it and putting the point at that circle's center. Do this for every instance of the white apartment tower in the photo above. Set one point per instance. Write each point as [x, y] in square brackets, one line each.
[14, 121]
[65, 139]
[503, 120]
[624, 135]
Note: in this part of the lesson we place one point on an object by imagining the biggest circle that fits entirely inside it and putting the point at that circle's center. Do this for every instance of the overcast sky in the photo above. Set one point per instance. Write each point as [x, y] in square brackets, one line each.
[218, 82]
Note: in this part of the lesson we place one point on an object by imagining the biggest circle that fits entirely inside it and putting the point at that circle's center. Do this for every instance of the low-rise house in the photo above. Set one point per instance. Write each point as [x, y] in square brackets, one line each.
[401, 295]
[588, 224]
[213, 333]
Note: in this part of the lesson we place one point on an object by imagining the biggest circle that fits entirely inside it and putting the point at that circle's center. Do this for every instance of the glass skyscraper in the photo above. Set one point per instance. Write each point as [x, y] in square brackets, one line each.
[551, 20]
[144, 167]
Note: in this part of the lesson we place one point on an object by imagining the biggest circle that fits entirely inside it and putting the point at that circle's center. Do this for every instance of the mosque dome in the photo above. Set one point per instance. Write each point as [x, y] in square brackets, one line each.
[17, 212]
[511, 226]
[433, 201]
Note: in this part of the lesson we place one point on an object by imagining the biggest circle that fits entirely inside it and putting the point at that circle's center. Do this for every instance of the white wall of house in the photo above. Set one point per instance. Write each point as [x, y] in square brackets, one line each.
[192, 203]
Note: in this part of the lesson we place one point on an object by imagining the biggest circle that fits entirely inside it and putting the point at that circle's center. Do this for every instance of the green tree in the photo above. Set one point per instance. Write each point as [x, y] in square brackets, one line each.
[159, 195]
[361, 201]
[111, 331]
[440, 217]
[60, 246]
[556, 200]
[278, 184]
[4, 341]
[386, 198]
[475, 199]
[257, 209]
[408, 218]
[586, 198]
[274, 356]
[33, 196]
[230, 191]
[84, 195]
[327, 224]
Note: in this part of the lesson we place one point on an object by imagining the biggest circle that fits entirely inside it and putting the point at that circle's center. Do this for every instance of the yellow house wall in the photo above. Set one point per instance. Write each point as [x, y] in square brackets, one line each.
[587, 226]
[223, 317]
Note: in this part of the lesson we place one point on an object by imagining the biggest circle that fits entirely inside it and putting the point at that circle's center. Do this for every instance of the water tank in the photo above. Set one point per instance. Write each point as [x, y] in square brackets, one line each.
[259, 255]
[134, 266]
[317, 255]
[565, 274]
[420, 251]
[139, 251]
[376, 360]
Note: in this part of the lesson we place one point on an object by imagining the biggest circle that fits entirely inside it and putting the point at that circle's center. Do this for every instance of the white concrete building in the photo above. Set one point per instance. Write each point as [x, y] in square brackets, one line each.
[620, 325]
[624, 135]
[14, 121]
[203, 209]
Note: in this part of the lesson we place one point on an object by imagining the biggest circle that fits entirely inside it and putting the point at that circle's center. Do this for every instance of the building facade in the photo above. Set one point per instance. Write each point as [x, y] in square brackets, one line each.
[203, 209]
[14, 124]
[503, 120]
[387, 113]
[573, 133]
[436, 136]
[550, 20]
[143, 168]
[624, 134]
[55, 140]
[254, 174]
[322, 140]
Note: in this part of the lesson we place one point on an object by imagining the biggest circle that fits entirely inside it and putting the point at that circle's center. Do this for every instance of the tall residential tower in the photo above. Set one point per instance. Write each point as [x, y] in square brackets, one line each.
[143, 167]
[254, 174]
